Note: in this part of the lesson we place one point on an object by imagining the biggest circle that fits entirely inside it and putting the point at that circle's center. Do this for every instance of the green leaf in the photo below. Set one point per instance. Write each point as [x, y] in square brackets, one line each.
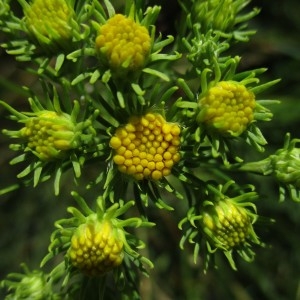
[9, 188]
[26, 171]
[59, 61]
[156, 73]
[76, 165]
[80, 78]
[121, 99]
[95, 76]
[158, 46]
[37, 174]
[187, 104]
[181, 82]
[137, 89]
[82, 204]
[18, 159]
[57, 181]
[110, 8]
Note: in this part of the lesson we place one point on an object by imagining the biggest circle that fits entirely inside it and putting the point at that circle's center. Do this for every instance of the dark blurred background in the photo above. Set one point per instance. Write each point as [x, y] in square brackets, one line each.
[27, 214]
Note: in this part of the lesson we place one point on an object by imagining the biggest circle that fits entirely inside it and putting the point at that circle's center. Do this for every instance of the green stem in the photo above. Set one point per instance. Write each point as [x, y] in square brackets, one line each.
[16, 113]
[263, 167]
[11, 86]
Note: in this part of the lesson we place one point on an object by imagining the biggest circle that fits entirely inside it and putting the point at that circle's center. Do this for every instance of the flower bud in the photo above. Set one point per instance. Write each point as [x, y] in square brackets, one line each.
[214, 14]
[123, 43]
[283, 165]
[49, 134]
[286, 166]
[146, 147]
[31, 285]
[49, 21]
[226, 224]
[227, 107]
[96, 247]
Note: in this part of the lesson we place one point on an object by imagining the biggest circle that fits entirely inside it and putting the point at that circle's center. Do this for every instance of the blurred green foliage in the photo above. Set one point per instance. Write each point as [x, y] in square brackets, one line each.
[27, 215]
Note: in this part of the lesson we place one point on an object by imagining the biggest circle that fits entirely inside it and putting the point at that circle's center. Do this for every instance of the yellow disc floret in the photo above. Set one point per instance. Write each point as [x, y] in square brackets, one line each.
[49, 134]
[146, 147]
[124, 43]
[227, 108]
[226, 224]
[49, 20]
[96, 248]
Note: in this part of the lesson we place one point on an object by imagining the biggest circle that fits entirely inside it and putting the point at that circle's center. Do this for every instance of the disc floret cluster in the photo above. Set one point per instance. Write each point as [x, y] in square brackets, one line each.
[123, 43]
[228, 108]
[146, 147]
[50, 134]
[50, 24]
[96, 247]
[226, 224]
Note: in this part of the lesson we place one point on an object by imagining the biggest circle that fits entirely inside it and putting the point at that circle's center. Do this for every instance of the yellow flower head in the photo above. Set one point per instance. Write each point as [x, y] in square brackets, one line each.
[123, 43]
[227, 108]
[96, 247]
[226, 224]
[49, 20]
[146, 147]
[49, 134]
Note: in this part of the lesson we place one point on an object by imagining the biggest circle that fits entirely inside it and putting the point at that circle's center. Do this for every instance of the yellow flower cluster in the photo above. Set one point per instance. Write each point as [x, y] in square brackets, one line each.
[124, 43]
[96, 248]
[227, 107]
[146, 147]
[227, 224]
[49, 18]
[49, 134]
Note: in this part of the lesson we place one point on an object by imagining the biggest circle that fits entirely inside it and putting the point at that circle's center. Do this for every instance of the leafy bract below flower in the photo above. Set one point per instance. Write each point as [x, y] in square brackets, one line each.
[146, 147]
[223, 223]
[49, 137]
[95, 242]
[284, 165]
[123, 43]
[29, 285]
